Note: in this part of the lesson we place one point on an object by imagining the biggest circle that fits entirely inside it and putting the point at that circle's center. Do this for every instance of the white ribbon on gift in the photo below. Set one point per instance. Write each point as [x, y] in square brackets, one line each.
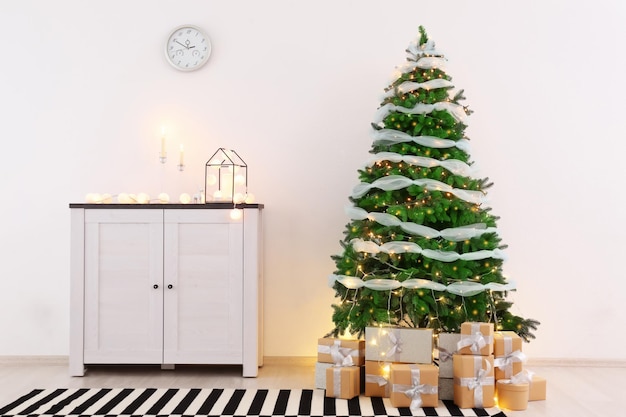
[398, 182]
[378, 379]
[477, 382]
[522, 377]
[392, 136]
[341, 356]
[445, 355]
[475, 340]
[336, 381]
[455, 234]
[396, 341]
[415, 390]
[505, 362]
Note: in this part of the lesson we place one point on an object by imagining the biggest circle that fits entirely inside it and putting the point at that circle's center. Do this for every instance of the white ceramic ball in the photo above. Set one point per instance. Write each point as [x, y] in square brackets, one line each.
[236, 214]
[184, 198]
[249, 198]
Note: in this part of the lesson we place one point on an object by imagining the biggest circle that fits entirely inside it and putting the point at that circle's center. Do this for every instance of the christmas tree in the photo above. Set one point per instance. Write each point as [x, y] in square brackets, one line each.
[421, 249]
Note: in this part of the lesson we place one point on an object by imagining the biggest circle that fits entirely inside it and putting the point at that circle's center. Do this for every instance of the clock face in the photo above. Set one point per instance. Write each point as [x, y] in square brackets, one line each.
[187, 48]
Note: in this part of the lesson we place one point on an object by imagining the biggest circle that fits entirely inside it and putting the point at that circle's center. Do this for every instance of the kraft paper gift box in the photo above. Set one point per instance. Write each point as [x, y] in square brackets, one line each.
[414, 385]
[341, 352]
[446, 348]
[476, 339]
[507, 350]
[320, 375]
[446, 388]
[537, 389]
[512, 396]
[343, 382]
[377, 379]
[399, 344]
[473, 381]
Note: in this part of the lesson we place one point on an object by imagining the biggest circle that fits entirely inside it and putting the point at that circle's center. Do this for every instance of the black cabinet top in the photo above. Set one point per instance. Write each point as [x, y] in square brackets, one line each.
[166, 206]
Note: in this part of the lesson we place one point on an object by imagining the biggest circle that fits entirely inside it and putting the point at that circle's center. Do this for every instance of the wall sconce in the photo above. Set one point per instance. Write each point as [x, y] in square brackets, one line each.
[225, 178]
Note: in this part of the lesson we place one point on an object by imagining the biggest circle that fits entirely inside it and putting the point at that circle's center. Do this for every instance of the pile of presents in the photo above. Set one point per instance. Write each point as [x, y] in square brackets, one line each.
[416, 368]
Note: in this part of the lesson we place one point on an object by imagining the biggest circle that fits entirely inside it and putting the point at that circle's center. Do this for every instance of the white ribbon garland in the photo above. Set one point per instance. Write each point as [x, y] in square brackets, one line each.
[398, 182]
[453, 165]
[456, 110]
[425, 62]
[392, 136]
[415, 50]
[408, 86]
[464, 288]
[368, 246]
[454, 234]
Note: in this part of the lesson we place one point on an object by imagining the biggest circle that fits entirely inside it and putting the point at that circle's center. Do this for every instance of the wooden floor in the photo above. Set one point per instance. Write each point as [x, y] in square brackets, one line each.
[572, 390]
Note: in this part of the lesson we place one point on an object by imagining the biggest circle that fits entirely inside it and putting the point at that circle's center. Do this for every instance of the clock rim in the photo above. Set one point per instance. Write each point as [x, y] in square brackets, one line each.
[204, 61]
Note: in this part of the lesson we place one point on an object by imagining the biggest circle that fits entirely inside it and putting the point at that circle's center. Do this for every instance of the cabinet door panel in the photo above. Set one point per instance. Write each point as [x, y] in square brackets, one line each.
[123, 310]
[203, 309]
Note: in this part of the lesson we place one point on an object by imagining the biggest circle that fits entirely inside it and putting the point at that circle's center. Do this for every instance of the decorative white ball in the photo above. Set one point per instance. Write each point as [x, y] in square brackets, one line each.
[123, 198]
[211, 180]
[240, 180]
[143, 198]
[164, 198]
[249, 198]
[238, 198]
[184, 198]
[236, 214]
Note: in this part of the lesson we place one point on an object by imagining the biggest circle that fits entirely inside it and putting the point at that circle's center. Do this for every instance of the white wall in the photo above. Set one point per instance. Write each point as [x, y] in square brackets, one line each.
[293, 86]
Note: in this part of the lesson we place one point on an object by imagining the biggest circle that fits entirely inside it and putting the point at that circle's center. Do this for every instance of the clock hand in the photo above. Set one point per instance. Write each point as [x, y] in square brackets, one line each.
[184, 46]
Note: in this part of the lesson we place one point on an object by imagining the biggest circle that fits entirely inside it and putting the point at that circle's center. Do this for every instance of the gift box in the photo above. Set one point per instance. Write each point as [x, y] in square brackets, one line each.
[476, 339]
[512, 396]
[446, 388]
[341, 352]
[320, 375]
[446, 348]
[399, 344]
[377, 379]
[343, 382]
[507, 350]
[473, 381]
[537, 389]
[414, 385]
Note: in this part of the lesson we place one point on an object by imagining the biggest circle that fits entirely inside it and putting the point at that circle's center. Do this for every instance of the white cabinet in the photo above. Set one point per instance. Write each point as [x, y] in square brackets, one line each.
[171, 284]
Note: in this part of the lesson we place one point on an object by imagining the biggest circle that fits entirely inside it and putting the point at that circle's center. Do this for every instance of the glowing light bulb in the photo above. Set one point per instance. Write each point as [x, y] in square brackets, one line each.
[236, 214]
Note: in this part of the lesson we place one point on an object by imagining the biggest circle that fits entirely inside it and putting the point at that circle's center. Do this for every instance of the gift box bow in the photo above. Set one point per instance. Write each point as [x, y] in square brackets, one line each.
[506, 362]
[445, 355]
[475, 341]
[341, 356]
[523, 377]
[396, 343]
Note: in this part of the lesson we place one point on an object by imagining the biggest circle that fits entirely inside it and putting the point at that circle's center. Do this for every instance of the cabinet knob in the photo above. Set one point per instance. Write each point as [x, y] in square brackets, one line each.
[170, 286]
[155, 286]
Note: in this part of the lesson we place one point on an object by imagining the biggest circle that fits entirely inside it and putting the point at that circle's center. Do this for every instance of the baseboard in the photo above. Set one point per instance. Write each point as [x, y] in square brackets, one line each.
[310, 361]
[33, 360]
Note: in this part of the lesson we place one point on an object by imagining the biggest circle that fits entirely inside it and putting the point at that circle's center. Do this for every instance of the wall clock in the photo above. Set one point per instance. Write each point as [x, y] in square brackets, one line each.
[187, 48]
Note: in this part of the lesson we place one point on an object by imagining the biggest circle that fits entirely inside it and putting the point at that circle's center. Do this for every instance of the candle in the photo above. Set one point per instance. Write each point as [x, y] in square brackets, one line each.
[181, 158]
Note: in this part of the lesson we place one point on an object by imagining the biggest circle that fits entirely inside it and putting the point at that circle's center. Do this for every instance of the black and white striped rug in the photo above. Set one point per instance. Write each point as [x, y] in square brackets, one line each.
[212, 402]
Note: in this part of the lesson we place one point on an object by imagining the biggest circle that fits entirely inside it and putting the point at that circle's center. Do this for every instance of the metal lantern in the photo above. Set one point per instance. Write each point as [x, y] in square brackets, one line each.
[225, 178]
